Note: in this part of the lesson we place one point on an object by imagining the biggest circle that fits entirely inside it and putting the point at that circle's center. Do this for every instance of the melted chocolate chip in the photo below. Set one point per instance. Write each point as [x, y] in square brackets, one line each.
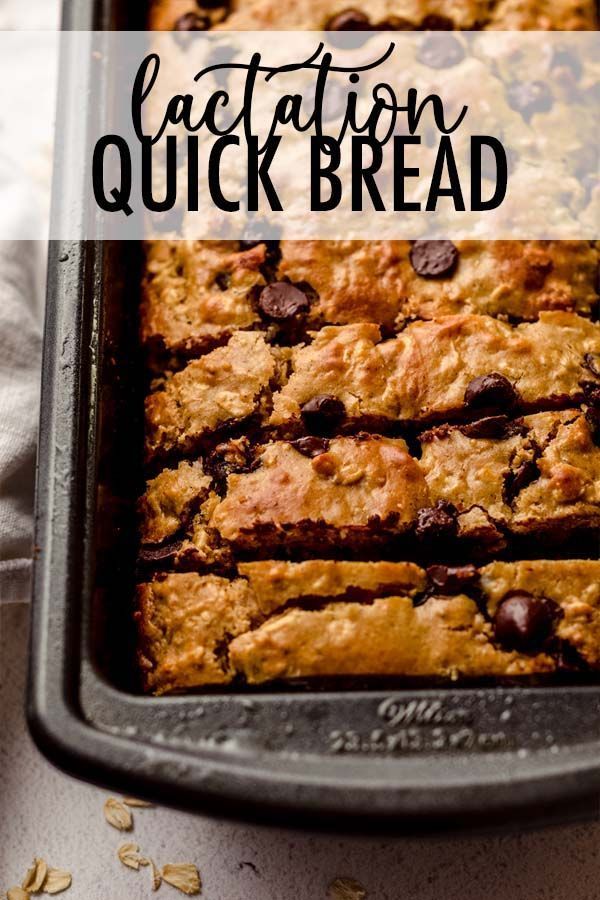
[529, 97]
[192, 22]
[211, 4]
[490, 427]
[592, 362]
[311, 446]
[591, 392]
[349, 20]
[436, 23]
[437, 522]
[518, 479]
[434, 259]
[356, 26]
[282, 301]
[453, 579]
[492, 391]
[440, 51]
[231, 457]
[523, 622]
[223, 280]
[166, 552]
[323, 414]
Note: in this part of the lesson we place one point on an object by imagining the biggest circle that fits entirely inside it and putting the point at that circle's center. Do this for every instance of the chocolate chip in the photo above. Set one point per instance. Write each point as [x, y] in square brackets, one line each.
[592, 362]
[437, 522]
[591, 392]
[434, 259]
[523, 622]
[518, 479]
[440, 51]
[529, 97]
[490, 427]
[323, 414]
[223, 280]
[355, 25]
[436, 23]
[453, 579]
[311, 446]
[492, 391]
[282, 301]
[211, 4]
[166, 552]
[231, 457]
[349, 20]
[192, 22]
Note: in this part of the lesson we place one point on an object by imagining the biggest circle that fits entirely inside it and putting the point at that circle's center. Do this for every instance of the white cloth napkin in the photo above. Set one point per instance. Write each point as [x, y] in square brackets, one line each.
[20, 352]
[24, 195]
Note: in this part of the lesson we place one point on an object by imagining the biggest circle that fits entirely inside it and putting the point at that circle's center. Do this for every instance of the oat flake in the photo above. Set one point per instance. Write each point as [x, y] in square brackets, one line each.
[35, 877]
[156, 876]
[346, 889]
[17, 893]
[133, 802]
[117, 815]
[129, 854]
[57, 880]
[183, 876]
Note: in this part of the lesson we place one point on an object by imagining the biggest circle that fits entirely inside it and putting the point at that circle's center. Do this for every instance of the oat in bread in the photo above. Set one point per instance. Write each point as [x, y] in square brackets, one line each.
[389, 282]
[195, 294]
[483, 483]
[359, 491]
[541, 475]
[224, 388]
[185, 622]
[437, 369]
[170, 501]
[444, 637]
[218, 628]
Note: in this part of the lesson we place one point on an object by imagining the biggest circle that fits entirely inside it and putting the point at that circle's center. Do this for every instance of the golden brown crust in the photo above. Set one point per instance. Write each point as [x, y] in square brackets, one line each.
[369, 484]
[423, 373]
[184, 624]
[573, 584]
[445, 637]
[276, 582]
[170, 499]
[225, 387]
[195, 294]
[540, 478]
[356, 339]
[197, 630]
[374, 281]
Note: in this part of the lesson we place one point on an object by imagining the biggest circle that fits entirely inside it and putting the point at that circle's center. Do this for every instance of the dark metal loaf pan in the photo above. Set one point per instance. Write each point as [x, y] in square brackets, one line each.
[379, 758]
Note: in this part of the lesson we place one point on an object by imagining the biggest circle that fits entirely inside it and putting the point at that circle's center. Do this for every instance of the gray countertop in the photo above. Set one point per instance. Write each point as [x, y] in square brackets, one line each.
[45, 813]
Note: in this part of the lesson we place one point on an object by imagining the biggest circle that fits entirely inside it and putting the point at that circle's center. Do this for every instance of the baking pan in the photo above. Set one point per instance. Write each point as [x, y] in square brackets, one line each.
[386, 757]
